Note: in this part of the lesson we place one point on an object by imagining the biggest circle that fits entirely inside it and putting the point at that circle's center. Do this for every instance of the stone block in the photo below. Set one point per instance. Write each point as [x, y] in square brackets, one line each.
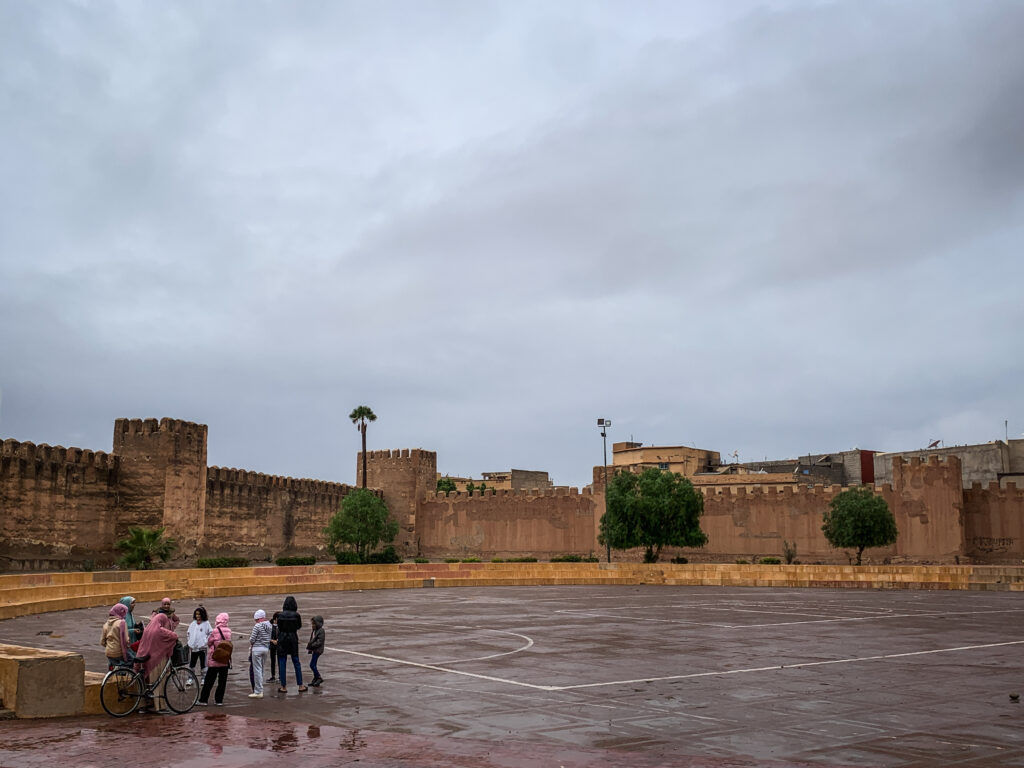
[41, 683]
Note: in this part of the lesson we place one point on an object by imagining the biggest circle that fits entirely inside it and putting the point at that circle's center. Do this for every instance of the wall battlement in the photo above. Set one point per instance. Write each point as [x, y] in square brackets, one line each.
[153, 426]
[32, 455]
[535, 493]
[222, 477]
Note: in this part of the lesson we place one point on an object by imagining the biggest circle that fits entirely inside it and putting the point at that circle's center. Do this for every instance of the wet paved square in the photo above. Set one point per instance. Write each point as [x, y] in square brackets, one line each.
[658, 674]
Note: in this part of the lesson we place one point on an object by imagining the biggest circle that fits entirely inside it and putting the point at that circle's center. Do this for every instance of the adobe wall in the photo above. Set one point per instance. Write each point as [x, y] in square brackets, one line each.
[259, 516]
[927, 500]
[162, 478]
[58, 506]
[508, 523]
[405, 476]
[994, 523]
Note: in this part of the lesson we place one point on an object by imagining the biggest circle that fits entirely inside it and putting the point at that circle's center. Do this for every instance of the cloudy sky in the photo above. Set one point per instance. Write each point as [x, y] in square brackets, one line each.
[763, 227]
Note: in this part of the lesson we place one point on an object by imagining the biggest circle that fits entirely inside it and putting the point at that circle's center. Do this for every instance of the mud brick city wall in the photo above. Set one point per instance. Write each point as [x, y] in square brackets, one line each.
[504, 523]
[994, 523]
[259, 516]
[406, 476]
[57, 505]
[162, 478]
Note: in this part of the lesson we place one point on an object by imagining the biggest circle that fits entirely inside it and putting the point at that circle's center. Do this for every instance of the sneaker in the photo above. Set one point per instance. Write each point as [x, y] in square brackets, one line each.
[202, 703]
[220, 703]
[255, 695]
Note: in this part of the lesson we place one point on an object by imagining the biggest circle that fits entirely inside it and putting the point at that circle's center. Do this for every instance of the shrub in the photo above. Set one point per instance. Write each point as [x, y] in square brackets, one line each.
[680, 560]
[522, 560]
[222, 562]
[789, 552]
[88, 565]
[451, 559]
[770, 561]
[471, 559]
[144, 546]
[591, 559]
[296, 560]
[742, 562]
[421, 560]
[567, 559]
[386, 555]
[347, 557]
[497, 560]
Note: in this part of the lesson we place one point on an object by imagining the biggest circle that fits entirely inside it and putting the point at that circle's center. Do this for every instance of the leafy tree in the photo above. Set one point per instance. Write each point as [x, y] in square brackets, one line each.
[360, 416]
[143, 546]
[470, 487]
[652, 510]
[360, 525]
[858, 519]
[445, 485]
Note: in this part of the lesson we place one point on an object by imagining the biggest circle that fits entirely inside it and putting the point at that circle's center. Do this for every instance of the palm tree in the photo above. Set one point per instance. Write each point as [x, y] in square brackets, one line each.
[143, 546]
[359, 417]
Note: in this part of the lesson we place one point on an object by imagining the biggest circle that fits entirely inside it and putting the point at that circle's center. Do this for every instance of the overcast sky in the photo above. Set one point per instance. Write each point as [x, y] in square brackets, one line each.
[765, 227]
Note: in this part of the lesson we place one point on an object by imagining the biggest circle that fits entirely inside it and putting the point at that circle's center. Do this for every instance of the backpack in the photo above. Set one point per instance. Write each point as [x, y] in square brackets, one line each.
[222, 653]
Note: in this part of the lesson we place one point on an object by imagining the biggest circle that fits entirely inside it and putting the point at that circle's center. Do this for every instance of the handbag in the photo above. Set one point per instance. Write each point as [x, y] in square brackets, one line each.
[222, 653]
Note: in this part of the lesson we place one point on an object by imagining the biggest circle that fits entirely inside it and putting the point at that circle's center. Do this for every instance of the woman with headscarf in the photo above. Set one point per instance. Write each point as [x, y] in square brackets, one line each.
[157, 645]
[132, 627]
[114, 637]
[289, 622]
[216, 671]
[168, 608]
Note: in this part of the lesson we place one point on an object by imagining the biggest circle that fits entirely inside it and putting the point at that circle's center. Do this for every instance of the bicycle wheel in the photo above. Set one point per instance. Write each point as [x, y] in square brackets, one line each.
[120, 692]
[181, 689]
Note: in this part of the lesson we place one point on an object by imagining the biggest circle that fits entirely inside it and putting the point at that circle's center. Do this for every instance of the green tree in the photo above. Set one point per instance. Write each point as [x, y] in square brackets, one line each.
[360, 416]
[360, 524]
[652, 510]
[143, 546]
[445, 485]
[470, 487]
[858, 519]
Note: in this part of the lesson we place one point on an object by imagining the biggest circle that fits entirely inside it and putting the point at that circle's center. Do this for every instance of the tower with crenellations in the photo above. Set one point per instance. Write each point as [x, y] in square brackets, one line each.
[162, 478]
[405, 476]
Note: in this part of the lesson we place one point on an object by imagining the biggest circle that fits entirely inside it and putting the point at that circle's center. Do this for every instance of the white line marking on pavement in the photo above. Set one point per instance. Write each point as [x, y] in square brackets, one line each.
[529, 644]
[446, 669]
[671, 677]
[789, 666]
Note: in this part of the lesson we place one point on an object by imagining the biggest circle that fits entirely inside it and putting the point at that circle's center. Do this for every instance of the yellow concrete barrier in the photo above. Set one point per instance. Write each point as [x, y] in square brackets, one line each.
[41, 683]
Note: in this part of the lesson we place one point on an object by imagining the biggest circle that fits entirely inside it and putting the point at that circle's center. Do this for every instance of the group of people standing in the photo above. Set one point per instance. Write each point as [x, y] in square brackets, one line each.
[271, 643]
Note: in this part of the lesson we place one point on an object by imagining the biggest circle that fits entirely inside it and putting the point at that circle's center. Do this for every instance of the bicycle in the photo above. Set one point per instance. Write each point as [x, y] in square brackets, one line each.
[123, 689]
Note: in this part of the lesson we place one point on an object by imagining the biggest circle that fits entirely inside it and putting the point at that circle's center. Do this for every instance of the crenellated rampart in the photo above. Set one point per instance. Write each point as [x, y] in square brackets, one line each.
[261, 516]
[58, 505]
[994, 523]
[504, 523]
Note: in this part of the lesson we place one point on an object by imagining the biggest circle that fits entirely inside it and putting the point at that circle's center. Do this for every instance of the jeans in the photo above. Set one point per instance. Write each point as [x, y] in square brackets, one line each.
[312, 665]
[282, 669]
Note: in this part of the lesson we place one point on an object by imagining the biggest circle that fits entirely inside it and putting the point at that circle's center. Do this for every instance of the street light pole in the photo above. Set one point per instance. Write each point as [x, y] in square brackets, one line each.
[604, 424]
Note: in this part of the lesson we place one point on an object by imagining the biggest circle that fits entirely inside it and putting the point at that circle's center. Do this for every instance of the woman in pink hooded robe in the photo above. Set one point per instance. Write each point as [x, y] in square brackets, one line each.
[157, 643]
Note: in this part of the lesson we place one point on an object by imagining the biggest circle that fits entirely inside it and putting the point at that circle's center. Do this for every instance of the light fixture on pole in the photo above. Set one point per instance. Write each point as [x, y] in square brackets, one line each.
[604, 424]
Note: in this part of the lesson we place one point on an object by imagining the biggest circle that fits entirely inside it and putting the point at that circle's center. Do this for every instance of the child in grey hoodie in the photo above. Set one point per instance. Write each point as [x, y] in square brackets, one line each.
[315, 646]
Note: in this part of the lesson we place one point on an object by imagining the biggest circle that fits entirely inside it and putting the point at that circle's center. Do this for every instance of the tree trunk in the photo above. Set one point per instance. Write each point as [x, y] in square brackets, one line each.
[859, 553]
[362, 428]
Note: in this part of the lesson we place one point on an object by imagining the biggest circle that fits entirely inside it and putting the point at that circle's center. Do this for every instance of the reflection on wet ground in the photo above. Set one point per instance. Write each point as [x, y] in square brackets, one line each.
[198, 740]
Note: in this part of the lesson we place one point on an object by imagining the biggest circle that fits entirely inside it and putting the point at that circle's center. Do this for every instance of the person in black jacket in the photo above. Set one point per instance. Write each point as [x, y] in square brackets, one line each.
[315, 646]
[289, 622]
